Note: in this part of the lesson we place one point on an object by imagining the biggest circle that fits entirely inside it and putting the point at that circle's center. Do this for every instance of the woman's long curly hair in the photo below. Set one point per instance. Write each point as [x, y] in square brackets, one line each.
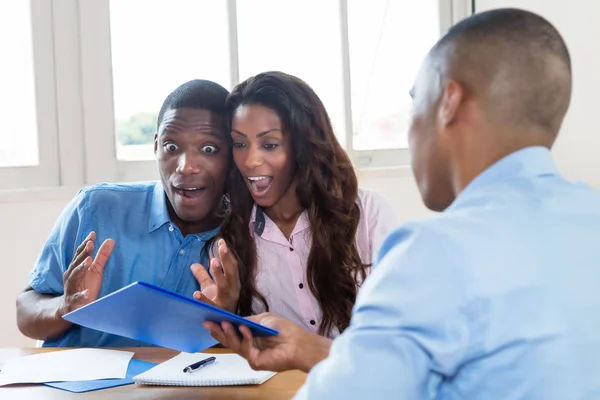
[327, 189]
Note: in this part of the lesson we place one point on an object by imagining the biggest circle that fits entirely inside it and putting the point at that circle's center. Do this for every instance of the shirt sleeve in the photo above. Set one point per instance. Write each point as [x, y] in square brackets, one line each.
[67, 233]
[381, 219]
[408, 328]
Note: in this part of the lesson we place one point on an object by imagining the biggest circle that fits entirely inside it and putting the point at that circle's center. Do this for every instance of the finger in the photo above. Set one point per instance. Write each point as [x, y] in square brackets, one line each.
[216, 332]
[267, 319]
[76, 274]
[228, 261]
[246, 345]
[90, 237]
[86, 246]
[87, 250]
[200, 297]
[217, 273]
[81, 268]
[246, 332]
[252, 344]
[233, 340]
[201, 275]
[257, 318]
[212, 326]
[104, 253]
[222, 247]
[79, 258]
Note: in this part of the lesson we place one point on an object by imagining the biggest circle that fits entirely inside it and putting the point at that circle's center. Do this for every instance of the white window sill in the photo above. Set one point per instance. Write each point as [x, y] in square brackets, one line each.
[38, 194]
[67, 192]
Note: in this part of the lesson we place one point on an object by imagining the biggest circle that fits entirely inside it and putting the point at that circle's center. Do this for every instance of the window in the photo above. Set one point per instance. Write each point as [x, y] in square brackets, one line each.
[153, 52]
[28, 154]
[19, 131]
[87, 78]
[301, 38]
[386, 47]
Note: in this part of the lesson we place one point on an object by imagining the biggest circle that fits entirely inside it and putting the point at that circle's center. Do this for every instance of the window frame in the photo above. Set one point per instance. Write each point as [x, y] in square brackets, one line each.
[46, 173]
[451, 11]
[97, 86]
[75, 106]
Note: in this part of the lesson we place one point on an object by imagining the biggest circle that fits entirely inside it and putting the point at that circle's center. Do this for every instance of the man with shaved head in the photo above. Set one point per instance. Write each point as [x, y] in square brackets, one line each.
[496, 83]
[497, 296]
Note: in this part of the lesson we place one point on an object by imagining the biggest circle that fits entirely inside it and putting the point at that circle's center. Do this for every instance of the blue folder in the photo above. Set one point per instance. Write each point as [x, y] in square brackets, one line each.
[151, 314]
[136, 367]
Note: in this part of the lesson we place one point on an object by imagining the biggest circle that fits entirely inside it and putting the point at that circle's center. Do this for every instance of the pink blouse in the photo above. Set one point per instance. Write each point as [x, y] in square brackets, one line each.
[281, 275]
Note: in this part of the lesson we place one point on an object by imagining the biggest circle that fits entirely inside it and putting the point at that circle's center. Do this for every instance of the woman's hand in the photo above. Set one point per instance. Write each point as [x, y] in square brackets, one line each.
[223, 289]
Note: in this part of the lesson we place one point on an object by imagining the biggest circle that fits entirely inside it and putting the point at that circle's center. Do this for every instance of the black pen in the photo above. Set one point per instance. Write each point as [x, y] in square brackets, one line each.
[199, 364]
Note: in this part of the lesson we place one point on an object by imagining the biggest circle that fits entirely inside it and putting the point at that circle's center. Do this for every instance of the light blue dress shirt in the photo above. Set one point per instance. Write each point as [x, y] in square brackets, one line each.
[496, 298]
[148, 247]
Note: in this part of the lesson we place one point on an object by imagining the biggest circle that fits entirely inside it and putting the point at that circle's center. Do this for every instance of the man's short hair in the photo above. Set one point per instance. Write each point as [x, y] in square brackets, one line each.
[199, 94]
[514, 59]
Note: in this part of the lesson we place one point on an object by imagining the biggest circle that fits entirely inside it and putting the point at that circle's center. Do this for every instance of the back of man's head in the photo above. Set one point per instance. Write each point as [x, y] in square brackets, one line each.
[496, 82]
[515, 63]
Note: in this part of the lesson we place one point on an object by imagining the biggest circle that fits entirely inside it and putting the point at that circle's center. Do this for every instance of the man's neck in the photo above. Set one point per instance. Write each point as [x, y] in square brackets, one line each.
[474, 161]
[191, 228]
[209, 223]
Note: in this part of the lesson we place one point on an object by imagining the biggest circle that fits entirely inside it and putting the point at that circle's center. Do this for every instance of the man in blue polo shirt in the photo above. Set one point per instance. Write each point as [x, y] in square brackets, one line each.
[111, 235]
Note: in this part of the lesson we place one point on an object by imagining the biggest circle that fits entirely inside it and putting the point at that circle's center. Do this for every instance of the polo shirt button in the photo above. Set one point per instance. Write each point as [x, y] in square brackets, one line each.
[182, 251]
[300, 286]
[312, 322]
[291, 249]
[171, 228]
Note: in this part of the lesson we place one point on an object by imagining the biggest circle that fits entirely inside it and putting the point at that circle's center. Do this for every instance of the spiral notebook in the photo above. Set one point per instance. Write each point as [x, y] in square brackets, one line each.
[227, 370]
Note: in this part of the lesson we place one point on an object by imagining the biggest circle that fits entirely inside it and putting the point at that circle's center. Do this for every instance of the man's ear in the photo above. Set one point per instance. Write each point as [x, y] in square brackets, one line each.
[452, 100]
[155, 143]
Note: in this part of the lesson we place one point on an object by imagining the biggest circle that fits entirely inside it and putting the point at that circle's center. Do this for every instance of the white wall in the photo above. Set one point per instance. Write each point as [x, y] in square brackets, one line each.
[28, 217]
[27, 221]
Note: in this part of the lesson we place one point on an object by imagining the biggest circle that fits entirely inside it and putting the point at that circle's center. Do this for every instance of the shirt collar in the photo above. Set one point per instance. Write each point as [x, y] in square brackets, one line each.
[159, 214]
[529, 162]
[260, 223]
[257, 221]
[207, 235]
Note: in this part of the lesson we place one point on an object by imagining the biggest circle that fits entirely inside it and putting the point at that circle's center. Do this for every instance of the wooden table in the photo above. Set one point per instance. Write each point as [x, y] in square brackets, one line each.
[282, 386]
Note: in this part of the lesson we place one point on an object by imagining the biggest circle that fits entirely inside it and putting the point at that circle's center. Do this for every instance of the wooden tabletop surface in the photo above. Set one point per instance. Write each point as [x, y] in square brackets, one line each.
[282, 386]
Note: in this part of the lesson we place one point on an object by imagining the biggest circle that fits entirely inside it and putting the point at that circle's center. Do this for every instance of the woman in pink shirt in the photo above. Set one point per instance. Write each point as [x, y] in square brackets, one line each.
[301, 231]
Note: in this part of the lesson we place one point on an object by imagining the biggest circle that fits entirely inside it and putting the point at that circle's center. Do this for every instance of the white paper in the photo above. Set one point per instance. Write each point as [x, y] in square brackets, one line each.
[66, 365]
